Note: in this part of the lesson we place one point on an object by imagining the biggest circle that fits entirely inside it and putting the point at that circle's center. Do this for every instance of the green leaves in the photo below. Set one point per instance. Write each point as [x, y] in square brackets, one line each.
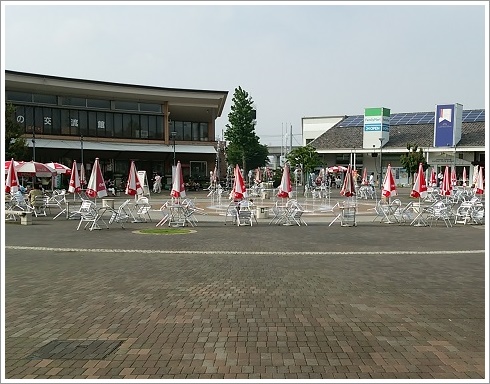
[244, 147]
[15, 144]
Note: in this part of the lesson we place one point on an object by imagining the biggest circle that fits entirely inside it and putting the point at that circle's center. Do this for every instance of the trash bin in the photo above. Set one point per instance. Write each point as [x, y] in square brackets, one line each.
[262, 213]
[108, 203]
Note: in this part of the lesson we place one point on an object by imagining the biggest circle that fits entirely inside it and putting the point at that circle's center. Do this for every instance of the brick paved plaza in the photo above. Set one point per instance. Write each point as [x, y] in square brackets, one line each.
[376, 301]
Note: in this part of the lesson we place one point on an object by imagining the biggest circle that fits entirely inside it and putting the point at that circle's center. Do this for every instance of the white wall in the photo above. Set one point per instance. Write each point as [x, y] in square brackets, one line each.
[312, 127]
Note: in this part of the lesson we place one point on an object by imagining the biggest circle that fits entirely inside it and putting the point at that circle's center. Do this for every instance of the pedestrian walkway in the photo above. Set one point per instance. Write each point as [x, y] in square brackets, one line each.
[375, 301]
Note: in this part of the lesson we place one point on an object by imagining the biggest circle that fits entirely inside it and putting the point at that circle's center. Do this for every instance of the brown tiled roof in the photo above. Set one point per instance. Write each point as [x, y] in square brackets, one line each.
[472, 135]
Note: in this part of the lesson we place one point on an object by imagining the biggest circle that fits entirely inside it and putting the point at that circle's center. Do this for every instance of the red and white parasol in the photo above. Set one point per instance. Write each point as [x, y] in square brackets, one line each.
[16, 165]
[214, 177]
[364, 177]
[35, 169]
[433, 180]
[239, 190]
[479, 182]
[454, 178]
[133, 186]
[348, 187]
[257, 176]
[59, 168]
[96, 185]
[12, 181]
[336, 168]
[420, 186]
[464, 177]
[178, 186]
[446, 186]
[389, 186]
[83, 179]
[285, 188]
[75, 186]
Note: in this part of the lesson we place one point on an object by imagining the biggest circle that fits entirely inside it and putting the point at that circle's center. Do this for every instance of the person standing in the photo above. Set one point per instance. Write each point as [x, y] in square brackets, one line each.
[371, 180]
[157, 186]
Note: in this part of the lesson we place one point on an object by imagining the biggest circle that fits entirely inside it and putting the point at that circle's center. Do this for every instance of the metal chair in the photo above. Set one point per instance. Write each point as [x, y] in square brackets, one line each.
[121, 215]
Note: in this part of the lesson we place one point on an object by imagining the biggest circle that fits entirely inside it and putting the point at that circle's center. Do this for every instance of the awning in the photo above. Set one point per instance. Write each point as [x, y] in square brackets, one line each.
[126, 147]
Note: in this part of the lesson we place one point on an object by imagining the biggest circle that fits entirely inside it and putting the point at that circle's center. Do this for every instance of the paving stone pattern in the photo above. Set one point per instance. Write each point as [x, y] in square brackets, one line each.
[302, 315]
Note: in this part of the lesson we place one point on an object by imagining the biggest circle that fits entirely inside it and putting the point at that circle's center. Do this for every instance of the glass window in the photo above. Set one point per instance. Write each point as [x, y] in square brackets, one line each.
[92, 124]
[20, 116]
[83, 123]
[160, 128]
[109, 124]
[19, 96]
[187, 131]
[56, 119]
[144, 107]
[135, 126]
[38, 119]
[203, 132]
[74, 122]
[179, 128]
[29, 119]
[195, 131]
[126, 105]
[98, 103]
[44, 99]
[65, 122]
[127, 126]
[118, 124]
[152, 127]
[198, 169]
[74, 101]
[144, 126]
[47, 121]
[101, 124]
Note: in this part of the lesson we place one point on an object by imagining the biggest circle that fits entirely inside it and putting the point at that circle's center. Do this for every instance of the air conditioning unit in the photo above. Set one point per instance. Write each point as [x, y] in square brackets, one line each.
[374, 154]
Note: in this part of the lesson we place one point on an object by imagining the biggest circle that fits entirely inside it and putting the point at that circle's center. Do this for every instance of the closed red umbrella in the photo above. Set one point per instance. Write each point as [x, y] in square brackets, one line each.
[12, 181]
[479, 182]
[96, 185]
[364, 177]
[239, 190]
[464, 177]
[389, 186]
[420, 186]
[75, 186]
[285, 188]
[16, 165]
[454, 178]
[433, 180]
[257, 176]
[83, 179]
[178, 186]
[348, 188]
[446, 183]
[133, 186]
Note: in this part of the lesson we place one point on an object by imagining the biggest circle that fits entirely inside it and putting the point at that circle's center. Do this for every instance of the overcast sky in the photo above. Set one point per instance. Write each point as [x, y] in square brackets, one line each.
[294, 60]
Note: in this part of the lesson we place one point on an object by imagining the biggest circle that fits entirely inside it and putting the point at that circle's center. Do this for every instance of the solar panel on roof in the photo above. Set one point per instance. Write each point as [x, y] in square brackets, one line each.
[414, 118]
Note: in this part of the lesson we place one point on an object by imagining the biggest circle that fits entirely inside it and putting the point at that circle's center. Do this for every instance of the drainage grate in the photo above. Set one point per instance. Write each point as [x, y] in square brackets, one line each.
[76, 349]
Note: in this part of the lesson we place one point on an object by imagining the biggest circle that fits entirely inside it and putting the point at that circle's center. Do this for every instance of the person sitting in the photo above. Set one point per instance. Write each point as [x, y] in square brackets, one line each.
[34, 192]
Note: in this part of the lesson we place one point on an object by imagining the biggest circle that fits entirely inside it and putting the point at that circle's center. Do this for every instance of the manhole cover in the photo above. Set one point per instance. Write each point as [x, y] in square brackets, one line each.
[76, 349]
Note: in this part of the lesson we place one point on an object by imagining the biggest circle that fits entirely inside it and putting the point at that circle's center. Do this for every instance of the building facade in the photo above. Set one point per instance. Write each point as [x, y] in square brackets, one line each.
[68, 119]
[342, 144]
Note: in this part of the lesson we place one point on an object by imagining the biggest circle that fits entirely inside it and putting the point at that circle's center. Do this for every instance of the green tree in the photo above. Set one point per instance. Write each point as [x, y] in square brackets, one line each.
[15, 144]
[305, 157]
[412, 160]
[244, 147]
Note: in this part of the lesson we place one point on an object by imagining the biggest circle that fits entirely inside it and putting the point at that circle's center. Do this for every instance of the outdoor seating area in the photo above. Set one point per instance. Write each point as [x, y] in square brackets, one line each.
[92, 209]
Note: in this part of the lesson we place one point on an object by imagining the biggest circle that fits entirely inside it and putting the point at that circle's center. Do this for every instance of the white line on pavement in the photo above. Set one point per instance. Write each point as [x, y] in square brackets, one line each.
[157, 251]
